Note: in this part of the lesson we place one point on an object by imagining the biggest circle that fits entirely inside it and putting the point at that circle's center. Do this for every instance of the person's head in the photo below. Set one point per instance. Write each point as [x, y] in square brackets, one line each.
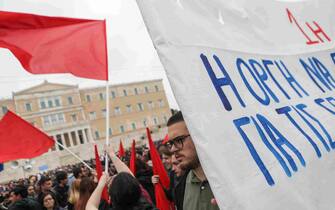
[17, 194]
[77, 172]
[32, 179]
[48, 201]
[124, 191]
[74, 191]
[176, 168]
[31, 190]
[86, 188]
[45, 184]
[61, 178]
[166, 156]
[85, 172]
[181, 144]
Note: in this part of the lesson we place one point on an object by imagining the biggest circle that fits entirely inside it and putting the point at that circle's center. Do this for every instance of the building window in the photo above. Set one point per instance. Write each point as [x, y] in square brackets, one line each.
[97, 135]
[4, 109]
[156, 88]
[155, 121]
[88, 98]
[117, 110]
[125, 93]
[110, 131]
[50, 102]
[113, 94]
[70, 100]
[140, 106]
[42, 104]
[161, 103]
[57, 102]
[146, 89]
[129, 108]
[53, 119]
[74, 118]
[150, 105]
[165, 119]
[102, 96]
[133, 126]
[92, 116]
[122, 129]
[28, 107]
[145, 123]
[104, 112]
[136, 91]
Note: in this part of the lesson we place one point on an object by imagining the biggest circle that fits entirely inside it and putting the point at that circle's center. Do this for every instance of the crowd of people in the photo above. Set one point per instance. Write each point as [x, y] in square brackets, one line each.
[75, 187]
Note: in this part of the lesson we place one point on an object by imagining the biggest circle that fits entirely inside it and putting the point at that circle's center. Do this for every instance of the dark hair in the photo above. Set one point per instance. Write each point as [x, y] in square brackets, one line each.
[53, 197]
[125, 191]
[43, 180]
[163, 149]
[86, 189]
[177, 117]
[61, 175]
[20, 190]
[76, 171]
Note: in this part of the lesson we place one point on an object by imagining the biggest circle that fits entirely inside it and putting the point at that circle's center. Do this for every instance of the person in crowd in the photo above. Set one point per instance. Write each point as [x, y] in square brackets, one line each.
[31, 191]
[45, 185]
[32, 179]
[143, 175]
[61, 189]
[49, 201]
[20, 201]
[166, 155]
[74, 194]
[197, 193]
[86, 188]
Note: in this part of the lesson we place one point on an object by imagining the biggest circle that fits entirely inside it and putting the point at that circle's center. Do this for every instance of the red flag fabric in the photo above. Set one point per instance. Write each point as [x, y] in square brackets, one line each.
[46, 45]
[132, 164]
[166, 139]
[98, 168]
[19, 139]
[122, 153]
[162, 202]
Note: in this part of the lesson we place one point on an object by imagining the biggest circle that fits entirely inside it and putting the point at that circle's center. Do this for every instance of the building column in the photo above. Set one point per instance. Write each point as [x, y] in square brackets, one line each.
[70, 139]
[84, 135]
[56, 145]
[90, 137]
[77, 137]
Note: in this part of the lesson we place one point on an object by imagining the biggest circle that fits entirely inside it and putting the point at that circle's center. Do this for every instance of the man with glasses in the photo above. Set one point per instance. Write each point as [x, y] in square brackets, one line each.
[198, 194]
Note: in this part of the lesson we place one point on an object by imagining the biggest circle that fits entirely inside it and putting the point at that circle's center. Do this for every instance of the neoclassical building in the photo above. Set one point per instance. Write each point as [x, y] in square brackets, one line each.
[76, 118]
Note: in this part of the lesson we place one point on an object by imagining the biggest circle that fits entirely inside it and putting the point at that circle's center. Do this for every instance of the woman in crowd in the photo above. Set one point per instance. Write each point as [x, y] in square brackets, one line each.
[125, 191]
[49, 202]
[74, 194]
[86, 188]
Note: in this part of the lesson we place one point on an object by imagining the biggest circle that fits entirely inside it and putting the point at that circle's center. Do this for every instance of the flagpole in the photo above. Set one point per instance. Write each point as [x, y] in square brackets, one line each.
[107, 126]
[107, 102]
[74, 155]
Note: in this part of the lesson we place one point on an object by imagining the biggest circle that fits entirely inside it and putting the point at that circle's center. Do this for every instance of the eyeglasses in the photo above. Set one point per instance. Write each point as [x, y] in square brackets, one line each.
[178, 142]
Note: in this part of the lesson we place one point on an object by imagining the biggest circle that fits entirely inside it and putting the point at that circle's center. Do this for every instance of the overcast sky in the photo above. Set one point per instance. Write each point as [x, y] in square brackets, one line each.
[132, 56]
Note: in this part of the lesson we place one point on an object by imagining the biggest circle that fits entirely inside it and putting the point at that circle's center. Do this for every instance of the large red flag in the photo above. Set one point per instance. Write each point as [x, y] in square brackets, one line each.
[98, 168]
[166, 139]
[132, 163]
[46, 45]
[162, 202]
[19, 139]
[122, 153]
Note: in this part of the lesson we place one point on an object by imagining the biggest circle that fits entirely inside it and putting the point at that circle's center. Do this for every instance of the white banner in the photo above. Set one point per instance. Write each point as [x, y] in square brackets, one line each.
[255, 82]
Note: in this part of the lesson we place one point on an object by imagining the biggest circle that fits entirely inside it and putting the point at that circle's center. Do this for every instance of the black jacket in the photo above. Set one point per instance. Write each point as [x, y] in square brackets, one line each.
[25, 204]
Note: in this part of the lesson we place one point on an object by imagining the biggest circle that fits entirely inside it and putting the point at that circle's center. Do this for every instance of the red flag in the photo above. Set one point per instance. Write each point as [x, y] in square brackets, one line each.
[162, 202]
[166, 139]
[98, 168]
[46, 45]
[121, 150]
[19, 139]
[132, 164]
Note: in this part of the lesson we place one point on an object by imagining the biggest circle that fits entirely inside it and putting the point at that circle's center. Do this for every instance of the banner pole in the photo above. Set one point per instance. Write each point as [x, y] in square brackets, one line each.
[74, 155]
[107, 101]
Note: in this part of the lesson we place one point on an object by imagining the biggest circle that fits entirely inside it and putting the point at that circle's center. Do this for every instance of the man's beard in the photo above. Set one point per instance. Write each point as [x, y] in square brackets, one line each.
[195, 163]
